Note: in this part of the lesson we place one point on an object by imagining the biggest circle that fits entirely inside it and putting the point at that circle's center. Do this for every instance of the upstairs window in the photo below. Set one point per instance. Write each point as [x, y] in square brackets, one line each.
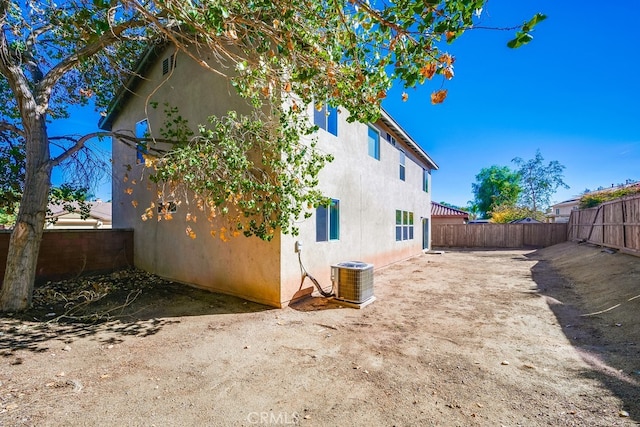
[373, 142]
[142, 131]
[328, 222]
[326, 118]
[391, 139]
[167, 207]
[425, 180]
[402, 165]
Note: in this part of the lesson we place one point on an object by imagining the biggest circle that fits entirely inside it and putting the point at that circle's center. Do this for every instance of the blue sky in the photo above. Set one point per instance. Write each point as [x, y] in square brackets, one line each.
[573, 93]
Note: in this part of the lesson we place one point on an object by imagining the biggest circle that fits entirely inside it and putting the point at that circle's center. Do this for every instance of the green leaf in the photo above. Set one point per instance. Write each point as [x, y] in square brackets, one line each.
[520, 40]
[537, 18]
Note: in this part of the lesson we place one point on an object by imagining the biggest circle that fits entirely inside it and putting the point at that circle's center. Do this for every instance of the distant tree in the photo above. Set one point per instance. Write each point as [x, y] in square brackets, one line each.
[506, 213]
[472, 208]
[495, 186]
[449, 205]
[538, 181]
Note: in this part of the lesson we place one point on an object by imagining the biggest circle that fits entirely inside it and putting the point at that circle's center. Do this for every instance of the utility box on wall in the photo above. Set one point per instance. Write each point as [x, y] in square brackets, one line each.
[353, 281]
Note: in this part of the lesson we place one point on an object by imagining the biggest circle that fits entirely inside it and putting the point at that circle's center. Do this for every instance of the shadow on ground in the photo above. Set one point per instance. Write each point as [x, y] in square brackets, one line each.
[315, 303]
[125, 303]
[614, 356]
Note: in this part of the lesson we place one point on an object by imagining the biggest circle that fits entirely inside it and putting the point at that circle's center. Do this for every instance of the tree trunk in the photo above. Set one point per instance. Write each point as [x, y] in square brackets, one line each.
[24, 246]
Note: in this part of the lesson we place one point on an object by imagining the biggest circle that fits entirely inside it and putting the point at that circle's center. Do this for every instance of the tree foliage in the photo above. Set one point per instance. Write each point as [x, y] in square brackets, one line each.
[505, 214]
[236, 175]
[281, 56]
[539, 181]
[495, 186]
[596, 198]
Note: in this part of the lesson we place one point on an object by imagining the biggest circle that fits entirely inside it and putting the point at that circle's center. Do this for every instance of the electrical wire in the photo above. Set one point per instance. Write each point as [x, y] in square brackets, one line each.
[306, 274]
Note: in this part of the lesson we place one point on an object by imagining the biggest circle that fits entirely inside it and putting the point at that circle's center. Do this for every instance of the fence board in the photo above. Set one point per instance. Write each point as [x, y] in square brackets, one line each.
[497, 235]
[614, 224]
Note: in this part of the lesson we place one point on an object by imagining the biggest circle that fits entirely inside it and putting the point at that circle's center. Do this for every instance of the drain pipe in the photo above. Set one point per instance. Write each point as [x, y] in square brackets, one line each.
[305, 274]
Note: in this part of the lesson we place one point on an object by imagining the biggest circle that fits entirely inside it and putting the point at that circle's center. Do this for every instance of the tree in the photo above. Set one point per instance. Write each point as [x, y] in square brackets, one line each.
[450, 205]
[77, 52]
[504, 214]
[539, 181]
[495, 186]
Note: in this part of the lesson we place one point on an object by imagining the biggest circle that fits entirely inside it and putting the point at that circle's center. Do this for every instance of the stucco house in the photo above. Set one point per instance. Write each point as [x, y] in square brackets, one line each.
[379, 181]
[99, 217]
[560, 212]
[441, 214]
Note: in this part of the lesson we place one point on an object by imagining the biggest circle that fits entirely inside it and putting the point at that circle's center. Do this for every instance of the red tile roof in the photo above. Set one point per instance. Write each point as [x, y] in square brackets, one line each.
[441, 210]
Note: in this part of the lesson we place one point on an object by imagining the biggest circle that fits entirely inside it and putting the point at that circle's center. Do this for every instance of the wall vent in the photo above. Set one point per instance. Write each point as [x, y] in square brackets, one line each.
[168, 64]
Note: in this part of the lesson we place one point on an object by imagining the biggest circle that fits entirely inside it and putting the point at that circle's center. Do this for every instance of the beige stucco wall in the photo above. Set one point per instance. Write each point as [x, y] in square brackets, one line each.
[561, 212]
[369, 191]
[246, 267]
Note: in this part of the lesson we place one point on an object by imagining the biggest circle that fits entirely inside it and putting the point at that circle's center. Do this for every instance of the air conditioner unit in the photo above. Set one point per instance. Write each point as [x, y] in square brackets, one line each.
[353, 281]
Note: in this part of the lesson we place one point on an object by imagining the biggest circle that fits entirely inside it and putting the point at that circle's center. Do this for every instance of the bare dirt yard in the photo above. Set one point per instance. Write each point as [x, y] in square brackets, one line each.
[464, 338]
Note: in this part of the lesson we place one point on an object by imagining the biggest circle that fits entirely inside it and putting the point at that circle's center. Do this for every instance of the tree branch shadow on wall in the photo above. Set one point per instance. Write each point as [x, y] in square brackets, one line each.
[613, 359]
[109, 308]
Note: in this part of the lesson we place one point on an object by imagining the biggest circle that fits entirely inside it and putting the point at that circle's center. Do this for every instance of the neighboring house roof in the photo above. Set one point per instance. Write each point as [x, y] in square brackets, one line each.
[151, 54]
[98, 210]
[438, 210]
[569, 202]
[404, 136]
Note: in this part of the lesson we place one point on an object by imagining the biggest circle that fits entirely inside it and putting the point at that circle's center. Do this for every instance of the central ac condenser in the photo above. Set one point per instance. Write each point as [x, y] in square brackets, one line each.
[353, 281]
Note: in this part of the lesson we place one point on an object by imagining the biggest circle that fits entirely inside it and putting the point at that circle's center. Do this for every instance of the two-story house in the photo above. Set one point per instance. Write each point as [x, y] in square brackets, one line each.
[560, 212]
[379, 183]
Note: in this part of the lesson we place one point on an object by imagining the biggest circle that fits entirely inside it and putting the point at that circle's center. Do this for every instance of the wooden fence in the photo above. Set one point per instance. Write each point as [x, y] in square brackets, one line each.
[497, 235]
[614, 224]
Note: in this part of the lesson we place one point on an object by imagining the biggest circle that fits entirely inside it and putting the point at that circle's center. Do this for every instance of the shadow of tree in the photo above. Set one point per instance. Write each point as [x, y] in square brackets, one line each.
[135, 304]
[613, 361]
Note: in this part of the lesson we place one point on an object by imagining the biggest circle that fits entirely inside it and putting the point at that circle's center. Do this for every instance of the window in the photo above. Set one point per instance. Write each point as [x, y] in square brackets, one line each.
[404, 225]
[425, 180]
[557, 211]
[167, 207]
[168, 64]
[402, 165]
[328, 222]
[142, 131]
[373, 142]
[326, 118]
[391, 139]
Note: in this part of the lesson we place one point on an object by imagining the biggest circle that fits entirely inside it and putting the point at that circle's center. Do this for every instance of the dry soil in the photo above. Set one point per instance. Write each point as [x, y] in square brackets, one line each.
[463, 338]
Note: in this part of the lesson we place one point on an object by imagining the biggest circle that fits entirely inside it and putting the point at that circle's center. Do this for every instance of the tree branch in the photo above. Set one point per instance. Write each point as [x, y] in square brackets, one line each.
[64, 66]
[8, 127]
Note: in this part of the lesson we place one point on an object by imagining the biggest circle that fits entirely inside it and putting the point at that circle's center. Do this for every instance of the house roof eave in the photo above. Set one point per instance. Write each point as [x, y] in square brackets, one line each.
[150, 54]
[408, 140]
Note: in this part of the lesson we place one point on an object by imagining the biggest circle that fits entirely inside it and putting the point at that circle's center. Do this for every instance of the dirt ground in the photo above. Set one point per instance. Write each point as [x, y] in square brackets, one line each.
[464, 338]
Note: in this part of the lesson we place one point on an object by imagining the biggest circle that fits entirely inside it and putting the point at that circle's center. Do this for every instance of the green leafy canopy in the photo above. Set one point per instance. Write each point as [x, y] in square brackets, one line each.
[281, 56]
